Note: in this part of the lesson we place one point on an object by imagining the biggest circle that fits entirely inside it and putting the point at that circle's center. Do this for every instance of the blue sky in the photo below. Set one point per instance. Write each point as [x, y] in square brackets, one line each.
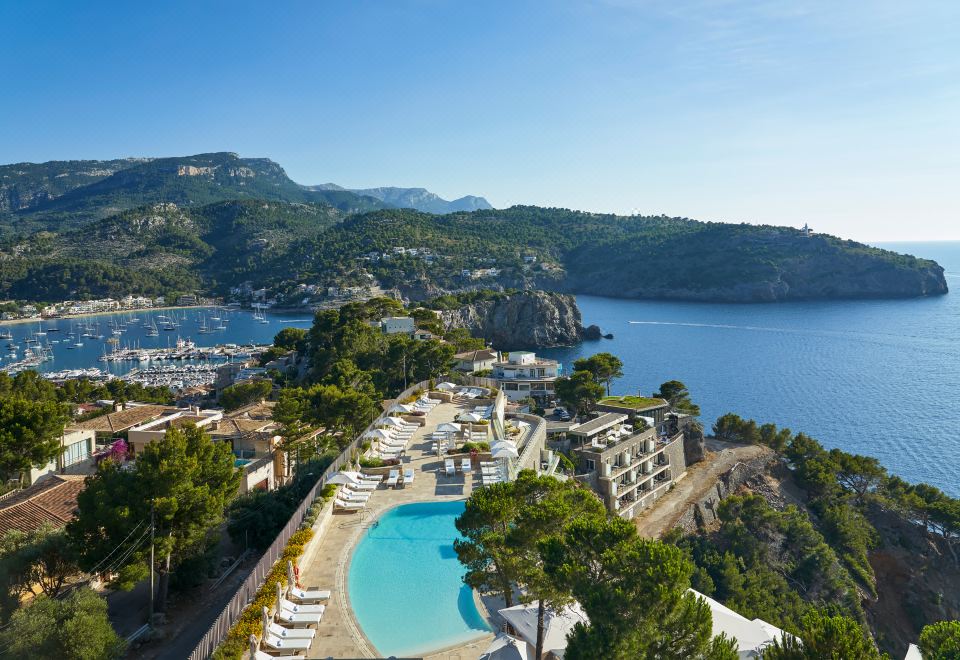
[843, 114]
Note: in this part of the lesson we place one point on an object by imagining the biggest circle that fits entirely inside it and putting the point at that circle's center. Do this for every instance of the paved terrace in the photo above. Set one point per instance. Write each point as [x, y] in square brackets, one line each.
[326, 561]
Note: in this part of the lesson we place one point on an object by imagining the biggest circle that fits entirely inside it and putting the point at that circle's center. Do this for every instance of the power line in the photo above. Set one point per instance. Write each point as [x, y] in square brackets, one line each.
[102, 561]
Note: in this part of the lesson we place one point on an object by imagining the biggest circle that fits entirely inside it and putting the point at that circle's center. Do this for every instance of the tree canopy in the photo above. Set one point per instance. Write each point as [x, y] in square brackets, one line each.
[73, 628]
[604, 367]
[186, 477]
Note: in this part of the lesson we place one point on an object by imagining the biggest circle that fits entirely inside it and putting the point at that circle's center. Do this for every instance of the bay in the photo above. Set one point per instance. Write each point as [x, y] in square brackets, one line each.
[241, 328]
[875, 377]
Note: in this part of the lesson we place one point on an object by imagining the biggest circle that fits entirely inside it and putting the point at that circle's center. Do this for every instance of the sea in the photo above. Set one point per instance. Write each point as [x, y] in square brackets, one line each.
[873, 377]
[61, 337]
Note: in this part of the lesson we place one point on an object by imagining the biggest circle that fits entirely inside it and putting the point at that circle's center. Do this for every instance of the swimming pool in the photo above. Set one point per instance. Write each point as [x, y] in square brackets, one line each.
[405, 582]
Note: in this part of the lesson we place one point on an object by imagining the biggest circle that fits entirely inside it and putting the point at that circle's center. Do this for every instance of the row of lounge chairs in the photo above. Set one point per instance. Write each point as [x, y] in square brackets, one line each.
[467, 393]
[392, 443]
[490, 472]
[425, 404]
[353, 496]
[289, 631]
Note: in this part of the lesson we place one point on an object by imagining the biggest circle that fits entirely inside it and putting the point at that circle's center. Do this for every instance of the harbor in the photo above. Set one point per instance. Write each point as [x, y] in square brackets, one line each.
[135, 342]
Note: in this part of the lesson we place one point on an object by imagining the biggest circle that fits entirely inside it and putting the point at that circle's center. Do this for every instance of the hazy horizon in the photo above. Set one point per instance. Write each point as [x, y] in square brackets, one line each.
[843, 117]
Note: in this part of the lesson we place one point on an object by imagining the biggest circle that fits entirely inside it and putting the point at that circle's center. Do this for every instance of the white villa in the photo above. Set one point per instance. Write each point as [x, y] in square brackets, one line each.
[525, 375]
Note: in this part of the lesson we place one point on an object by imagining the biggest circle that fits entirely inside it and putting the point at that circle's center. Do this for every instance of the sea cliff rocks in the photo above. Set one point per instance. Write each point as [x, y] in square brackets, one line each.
[529, 319]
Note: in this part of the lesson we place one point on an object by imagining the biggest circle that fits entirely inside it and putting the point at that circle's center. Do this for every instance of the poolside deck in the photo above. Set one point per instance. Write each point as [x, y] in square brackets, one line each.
[326, 561]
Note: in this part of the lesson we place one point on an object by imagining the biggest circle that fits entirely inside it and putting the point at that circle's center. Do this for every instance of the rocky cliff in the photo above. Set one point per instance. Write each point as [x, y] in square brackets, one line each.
[530, 319]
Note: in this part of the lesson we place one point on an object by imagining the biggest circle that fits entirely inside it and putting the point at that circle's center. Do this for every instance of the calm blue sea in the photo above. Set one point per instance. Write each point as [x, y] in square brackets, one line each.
[880, 378]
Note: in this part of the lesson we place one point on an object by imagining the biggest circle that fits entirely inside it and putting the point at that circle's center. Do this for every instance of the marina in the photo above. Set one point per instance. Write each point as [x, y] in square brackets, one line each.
[114, 344]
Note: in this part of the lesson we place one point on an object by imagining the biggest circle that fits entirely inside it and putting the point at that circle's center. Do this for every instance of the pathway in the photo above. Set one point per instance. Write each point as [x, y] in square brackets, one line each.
[700, 478]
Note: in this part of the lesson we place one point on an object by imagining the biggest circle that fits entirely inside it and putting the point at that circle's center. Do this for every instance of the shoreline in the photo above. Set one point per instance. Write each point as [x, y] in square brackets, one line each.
[138, 310]
[49, 319]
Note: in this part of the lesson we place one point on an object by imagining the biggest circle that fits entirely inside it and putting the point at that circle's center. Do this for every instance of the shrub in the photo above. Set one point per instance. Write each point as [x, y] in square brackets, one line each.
[371, 462]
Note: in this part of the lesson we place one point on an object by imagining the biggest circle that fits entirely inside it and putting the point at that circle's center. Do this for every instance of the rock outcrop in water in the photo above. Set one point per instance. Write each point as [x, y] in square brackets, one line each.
[529, 319]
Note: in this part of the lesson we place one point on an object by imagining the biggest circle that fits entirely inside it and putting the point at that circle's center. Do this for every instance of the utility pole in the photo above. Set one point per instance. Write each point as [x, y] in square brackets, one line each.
[150, 621]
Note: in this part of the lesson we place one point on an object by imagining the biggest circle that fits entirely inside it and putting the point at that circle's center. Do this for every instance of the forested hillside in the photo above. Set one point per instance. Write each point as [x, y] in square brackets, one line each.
[206, 222]
[185, 181]
[161, 249]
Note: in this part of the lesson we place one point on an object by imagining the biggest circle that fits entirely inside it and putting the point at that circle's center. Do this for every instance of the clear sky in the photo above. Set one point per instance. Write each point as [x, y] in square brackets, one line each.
[841, 113]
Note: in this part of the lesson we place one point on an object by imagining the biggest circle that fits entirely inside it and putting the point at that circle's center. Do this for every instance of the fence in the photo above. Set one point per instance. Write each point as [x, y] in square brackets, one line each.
[245, 594]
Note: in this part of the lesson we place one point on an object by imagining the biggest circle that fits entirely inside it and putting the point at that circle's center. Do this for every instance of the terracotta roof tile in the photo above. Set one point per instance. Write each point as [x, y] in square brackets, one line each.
[53, 500]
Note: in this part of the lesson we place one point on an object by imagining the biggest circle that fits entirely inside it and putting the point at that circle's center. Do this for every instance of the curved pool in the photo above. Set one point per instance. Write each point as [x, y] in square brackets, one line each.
[405, 583]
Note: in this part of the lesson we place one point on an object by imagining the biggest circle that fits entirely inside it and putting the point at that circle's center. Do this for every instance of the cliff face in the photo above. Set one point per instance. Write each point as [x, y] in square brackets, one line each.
[531, 319]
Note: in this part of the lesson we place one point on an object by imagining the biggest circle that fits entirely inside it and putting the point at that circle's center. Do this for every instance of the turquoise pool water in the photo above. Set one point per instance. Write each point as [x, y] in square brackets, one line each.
[405, 582]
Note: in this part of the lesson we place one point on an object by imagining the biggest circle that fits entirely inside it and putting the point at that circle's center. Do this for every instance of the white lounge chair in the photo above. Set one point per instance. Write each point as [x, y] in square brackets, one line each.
[311, 594]
[451, 467]
[465, 465]
[408, 476]
[393, 478]
[277, 630]
[361, 486]
[272, 642]
[348, 496]
[300, 608]
[348, 506]
[257, 654]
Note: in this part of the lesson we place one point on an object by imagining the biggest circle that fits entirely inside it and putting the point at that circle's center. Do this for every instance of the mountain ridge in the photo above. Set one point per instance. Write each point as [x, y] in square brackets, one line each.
[419, 199]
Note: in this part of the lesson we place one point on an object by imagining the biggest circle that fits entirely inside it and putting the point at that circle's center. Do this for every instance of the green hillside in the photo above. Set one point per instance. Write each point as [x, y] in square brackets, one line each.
[634, 257]
[211, 221]
[163, 248]
[185, 181]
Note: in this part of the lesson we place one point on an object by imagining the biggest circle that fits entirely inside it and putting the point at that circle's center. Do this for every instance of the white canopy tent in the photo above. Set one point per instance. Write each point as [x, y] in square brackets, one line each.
[448, 427]
[377, 434]
[446, 386]
[506, 647]
[469, 417]
[400, 408]
[556, 625]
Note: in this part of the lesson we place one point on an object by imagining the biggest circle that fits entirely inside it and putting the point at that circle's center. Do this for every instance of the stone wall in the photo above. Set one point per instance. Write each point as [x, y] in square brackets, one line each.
[674, 453]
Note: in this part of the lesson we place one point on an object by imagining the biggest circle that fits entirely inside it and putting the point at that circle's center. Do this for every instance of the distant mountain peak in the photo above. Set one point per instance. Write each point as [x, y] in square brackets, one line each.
[420, 199]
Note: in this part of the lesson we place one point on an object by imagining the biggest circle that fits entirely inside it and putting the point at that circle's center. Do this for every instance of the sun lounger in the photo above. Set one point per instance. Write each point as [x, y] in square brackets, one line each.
[362, 485]
[393, 478]
[272, 642]
[451, 467]
[276, 630]
[465, 465]
[311, 594]
[347, 496]
[408, 476]
[349, 506]
[263, 655]
[301, 608]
